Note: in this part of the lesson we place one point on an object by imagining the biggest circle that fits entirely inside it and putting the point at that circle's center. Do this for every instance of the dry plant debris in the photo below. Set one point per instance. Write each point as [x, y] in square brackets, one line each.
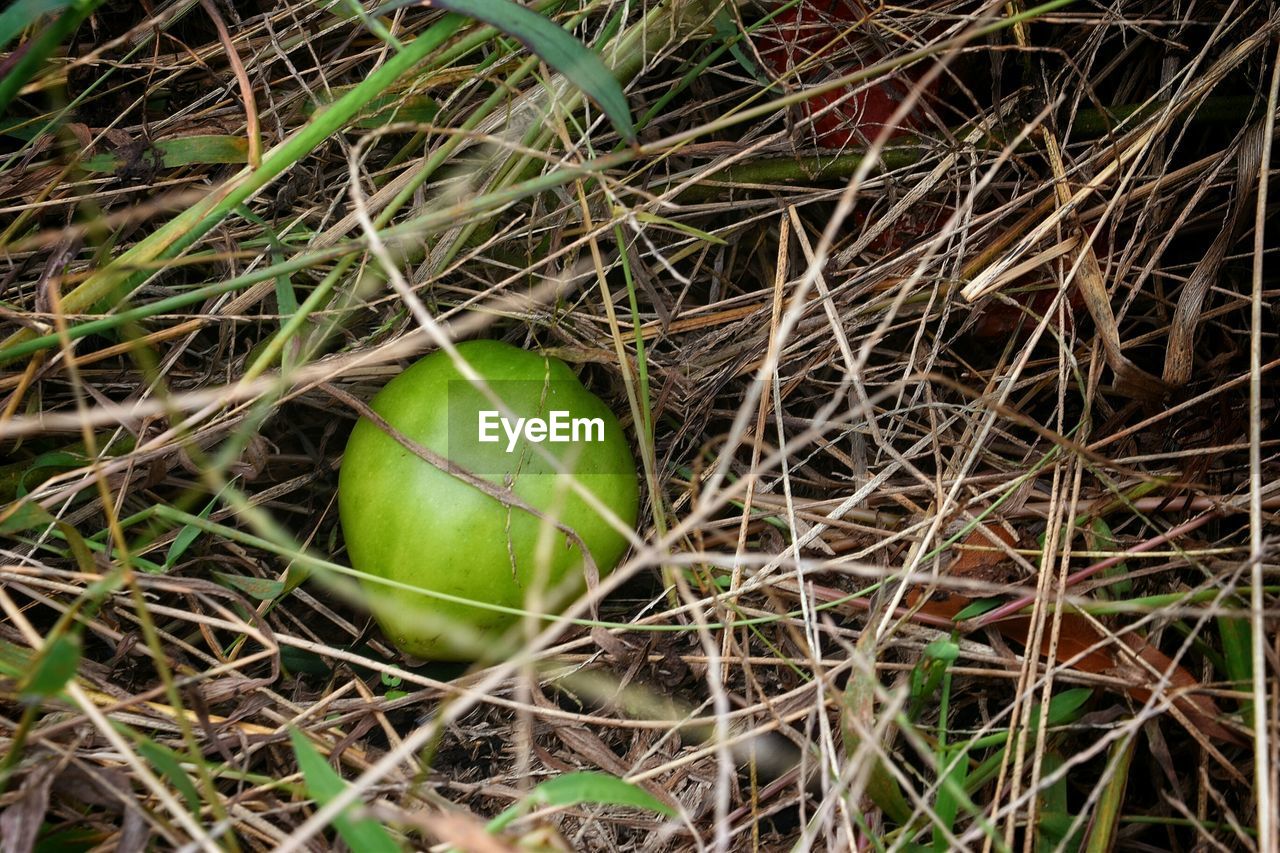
[958, 438]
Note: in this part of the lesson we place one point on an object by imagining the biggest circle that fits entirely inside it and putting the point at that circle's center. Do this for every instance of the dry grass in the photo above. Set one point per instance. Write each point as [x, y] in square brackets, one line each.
[1023, 353]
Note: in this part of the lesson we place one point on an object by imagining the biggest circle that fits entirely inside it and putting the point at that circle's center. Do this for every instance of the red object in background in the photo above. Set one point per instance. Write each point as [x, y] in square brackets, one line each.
[819, 40]
[822, 39]
[922, 219]
[1000, 320]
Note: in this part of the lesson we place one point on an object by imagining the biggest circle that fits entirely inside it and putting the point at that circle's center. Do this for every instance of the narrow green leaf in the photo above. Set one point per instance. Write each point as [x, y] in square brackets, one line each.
[179, 151]
[1054, 817]
[263, 589]
[946, 651]
[54, 667]
[1237, 657]
[1101, 538]
[382, 109]
[25, 516]
[977, 608]
[557, 48]
[28, 515]
[301, 661]
[859, 701]
[698, 233]
[323, 784]
[114, 281]
[30, 55]
[727, 31]
[187, 535]
[950, 796]
[23, 14]
[1064, 707]
[166, 761]
[15, 659]
[1237, 649]
[886, 793]
[74, 839]
[160, 306]
[45, 461]
[573, 789]
[1104, 828]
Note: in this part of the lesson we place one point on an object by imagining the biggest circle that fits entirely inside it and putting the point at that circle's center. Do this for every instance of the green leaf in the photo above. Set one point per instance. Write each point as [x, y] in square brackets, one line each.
[25, 516]
[263, 589]
[1237, 658]
[1054, 817]
[52, 459]
[1105, 827]
[303, 662]
[950, 795]
[859, 704]
[29, 56]
[323, 784]
[1237, 649]
[67, 840]
[185, 537]
[698, 233]
[727, 31]
[976, 608]
[573, 789]
[928, 673]
[111, 283]
[942, 650]
[166, 761]
[55, 666]
[15, 659]
[179, 151]
[380, 110]
[1063, 706]
[549, 41]
[23, 14]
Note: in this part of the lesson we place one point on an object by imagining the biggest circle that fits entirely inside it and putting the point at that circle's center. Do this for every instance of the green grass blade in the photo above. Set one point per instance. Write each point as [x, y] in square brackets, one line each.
[263, 589]
[161, 306]
[186, 536]
[180, 151]
[120, 278]
[573, 789]
[859, 703]
[557, 48]
[951, 795]
[170, 766]
[23, 14]
[1106, 820]
[55, 666]
[31, 55]
[323, 784]
[1237, 656]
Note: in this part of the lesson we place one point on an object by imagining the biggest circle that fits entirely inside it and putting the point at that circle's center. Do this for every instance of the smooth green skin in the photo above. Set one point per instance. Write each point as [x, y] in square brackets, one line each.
[410, 522]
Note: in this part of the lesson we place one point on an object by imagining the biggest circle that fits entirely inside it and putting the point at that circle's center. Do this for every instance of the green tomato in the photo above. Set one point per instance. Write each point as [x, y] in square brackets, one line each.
[410, 522]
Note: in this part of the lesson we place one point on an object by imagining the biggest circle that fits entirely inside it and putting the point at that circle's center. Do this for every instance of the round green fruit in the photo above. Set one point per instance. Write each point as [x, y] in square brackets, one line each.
[430, 528]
